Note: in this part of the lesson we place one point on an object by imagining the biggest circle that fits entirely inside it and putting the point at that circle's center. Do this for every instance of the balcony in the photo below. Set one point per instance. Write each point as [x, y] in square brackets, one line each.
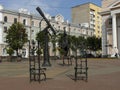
[92, 13]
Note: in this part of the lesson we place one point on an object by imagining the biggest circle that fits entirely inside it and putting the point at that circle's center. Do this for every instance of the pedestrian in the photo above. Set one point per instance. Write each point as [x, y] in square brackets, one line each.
[116, 52]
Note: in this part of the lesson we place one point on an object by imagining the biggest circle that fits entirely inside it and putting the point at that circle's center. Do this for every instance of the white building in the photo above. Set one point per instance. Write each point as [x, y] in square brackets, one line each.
[33, 24]
[110, 27]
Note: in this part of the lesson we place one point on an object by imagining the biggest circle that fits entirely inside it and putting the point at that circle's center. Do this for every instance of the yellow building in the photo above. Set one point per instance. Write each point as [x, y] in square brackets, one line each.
[88, 13]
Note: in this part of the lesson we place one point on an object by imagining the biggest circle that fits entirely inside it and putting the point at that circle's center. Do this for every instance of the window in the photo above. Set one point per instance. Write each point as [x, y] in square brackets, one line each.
[32, 31]
[91, 34]
[4, 51]
[4, 39]
[58, 27]
[98, 17]
[87, 32]
[69, 29]
[15, 20]
[5, 19]
[24, 22]
[64, 28]
[110, 21]
[98, 27]
[5, 29]
[32, 23]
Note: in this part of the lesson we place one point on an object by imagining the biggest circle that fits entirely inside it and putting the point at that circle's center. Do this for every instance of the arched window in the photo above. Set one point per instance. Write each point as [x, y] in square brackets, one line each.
[32, 23]
[4, 51]
[5, 29]
[15, 20]
[24, 22]
[23, 52]
[5, 19]
[110, 21]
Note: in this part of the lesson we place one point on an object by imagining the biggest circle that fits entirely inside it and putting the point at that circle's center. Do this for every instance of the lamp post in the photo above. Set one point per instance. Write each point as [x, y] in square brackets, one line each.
[69, 28]
[69, 41]
[40, 23]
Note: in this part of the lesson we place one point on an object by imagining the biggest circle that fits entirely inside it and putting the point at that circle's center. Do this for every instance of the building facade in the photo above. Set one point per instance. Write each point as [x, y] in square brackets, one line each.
[110, 27]
[33, 24]
[88, 13]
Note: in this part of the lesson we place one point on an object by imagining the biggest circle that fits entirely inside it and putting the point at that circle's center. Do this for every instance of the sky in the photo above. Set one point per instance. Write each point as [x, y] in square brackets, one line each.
[52, 7]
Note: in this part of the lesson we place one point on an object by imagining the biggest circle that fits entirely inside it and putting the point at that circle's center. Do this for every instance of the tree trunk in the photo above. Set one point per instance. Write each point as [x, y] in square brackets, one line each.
[63, 60]
[17, 52]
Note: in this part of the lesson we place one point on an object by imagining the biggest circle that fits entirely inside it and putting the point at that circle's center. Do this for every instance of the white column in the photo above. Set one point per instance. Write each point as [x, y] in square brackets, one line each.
[104, 38]
[114, 30]
[27, 53]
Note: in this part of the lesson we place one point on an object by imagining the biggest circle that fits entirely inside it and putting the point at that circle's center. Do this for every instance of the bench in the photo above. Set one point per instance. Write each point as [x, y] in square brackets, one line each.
[35, 74]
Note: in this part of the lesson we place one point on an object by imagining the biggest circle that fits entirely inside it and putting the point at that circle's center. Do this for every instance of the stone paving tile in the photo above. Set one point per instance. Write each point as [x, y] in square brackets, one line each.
[103, 75]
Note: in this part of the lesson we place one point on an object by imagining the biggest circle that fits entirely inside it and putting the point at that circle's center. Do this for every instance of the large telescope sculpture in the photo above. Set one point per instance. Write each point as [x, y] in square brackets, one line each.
[46, 61]
[48, 23]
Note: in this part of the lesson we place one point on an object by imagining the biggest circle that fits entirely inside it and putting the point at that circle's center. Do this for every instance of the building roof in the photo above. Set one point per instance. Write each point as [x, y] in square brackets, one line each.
[85, 4]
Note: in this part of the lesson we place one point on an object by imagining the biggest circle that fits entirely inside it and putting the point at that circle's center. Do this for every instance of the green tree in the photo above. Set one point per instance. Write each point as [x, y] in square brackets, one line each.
[77, 43]
[16, 36]
[60, 43]
[10, 51]
[41, 38]
[81, 42]
[73, 43]
[93, 43]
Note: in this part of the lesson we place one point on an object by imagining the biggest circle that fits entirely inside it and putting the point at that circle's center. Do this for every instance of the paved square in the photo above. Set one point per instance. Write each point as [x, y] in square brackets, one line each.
[102, 75]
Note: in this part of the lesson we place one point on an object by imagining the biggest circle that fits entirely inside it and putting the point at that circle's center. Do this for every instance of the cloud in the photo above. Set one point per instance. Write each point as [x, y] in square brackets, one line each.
[48, 6]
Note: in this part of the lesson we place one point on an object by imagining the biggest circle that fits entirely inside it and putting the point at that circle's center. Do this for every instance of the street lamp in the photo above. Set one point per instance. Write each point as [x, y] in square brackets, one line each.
[40, 23]
[69, 28]
[69, 41]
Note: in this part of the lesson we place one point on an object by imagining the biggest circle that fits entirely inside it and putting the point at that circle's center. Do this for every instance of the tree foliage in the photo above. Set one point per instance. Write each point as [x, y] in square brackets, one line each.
[16, 36]
[41, 38]
[77, 42]
[94, 43]
[64, 43]
[10, 51]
